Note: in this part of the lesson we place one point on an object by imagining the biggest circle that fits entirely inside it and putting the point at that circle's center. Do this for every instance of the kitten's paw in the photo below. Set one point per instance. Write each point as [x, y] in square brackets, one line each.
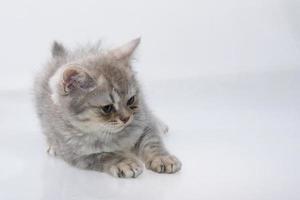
[164, 164]
[127, 168]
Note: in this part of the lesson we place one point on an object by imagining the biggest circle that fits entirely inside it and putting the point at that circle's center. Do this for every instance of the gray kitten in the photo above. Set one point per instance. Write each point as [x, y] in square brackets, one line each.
[93, 113]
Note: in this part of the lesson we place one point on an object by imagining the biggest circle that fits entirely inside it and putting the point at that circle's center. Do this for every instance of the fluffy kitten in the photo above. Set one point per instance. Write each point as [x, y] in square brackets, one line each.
[93, 113]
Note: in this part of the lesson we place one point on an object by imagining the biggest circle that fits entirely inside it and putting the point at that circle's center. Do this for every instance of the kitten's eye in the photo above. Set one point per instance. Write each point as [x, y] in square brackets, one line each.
[107, 109]
[131, 101]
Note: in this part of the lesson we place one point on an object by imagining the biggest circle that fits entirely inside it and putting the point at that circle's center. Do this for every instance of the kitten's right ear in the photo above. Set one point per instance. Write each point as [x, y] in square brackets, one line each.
[126, 50]
[58, 50]
[76, 78]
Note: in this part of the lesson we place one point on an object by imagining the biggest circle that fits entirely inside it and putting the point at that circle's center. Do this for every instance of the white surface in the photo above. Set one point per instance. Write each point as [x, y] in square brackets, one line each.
[205, 37]
[237, 136]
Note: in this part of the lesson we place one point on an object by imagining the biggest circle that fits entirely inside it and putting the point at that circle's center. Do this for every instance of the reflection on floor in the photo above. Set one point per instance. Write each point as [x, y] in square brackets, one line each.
[237, 136]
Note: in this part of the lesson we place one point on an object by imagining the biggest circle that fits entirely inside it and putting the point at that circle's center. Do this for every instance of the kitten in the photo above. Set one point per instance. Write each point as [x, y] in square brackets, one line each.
[93, 114]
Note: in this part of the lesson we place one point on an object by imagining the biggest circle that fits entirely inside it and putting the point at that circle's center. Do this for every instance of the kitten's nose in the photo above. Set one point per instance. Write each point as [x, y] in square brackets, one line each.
[124, 119]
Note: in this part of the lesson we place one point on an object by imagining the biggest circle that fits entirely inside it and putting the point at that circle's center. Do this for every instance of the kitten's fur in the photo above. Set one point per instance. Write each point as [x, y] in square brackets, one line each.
[71, 92]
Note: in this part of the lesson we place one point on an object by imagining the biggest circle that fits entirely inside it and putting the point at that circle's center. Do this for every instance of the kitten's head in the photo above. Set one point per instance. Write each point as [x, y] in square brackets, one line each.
[97, 91]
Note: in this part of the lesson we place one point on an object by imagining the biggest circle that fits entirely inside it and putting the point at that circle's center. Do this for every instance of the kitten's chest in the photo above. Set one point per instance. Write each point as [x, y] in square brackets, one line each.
[122, 142]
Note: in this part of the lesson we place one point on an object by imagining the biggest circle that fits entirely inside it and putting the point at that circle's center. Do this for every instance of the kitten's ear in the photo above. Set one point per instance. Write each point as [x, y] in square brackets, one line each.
[76, 78]
[58, 50]
[126, 50]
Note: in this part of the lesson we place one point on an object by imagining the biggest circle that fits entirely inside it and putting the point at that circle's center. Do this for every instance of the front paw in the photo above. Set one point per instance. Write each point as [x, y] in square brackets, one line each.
[127, 168]
[164, 164]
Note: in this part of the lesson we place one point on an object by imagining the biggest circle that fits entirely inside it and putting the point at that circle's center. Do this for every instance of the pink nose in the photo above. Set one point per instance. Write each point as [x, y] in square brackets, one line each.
[124, 119]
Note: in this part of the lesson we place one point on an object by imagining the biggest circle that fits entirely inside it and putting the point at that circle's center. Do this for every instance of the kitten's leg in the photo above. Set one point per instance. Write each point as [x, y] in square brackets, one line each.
[162, 127]
[116, 164]
[152, 151]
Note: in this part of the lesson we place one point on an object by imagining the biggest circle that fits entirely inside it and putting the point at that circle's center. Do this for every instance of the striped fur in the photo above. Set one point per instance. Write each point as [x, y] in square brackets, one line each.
[70, 93]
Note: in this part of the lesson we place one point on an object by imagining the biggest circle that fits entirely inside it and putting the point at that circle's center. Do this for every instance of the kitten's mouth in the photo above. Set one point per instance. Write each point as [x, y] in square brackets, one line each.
[128, 121]
[119, 126]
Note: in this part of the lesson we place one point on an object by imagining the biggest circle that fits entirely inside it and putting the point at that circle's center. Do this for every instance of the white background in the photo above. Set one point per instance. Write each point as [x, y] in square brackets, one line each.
[224, 75]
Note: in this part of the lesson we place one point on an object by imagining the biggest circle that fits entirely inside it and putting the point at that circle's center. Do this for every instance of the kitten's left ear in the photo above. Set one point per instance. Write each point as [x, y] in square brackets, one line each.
[125, 51]
[58, 50]
[74, 78]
